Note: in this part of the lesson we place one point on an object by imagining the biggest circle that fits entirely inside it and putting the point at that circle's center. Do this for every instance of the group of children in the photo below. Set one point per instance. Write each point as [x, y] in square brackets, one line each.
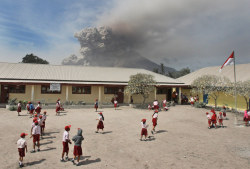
[30, 108]
[59, 107]
[156, 105]
[144, 131]
[212, 120]
[37, 130]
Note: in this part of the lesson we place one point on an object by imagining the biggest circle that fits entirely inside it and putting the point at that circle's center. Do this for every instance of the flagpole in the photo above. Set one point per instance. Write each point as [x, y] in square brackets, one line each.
[235, 92]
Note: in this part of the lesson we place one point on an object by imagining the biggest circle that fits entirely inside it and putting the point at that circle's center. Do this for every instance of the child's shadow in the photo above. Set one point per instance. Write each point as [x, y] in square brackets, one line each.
[87, 161]
[35, 162]
[150, 138]
[161, 131]
[106, 132]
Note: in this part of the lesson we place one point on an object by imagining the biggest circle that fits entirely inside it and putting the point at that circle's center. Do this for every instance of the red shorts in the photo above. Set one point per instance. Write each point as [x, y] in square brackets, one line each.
[38, 110]
[21, 152]
[115, 105]
[220, 120]
[245, 119]
[43, 125]
[65, 147]
[100, 125]
[19, 109]
[224, 114]
[164, 105]
[209, 121]
[96, 106]
[214, 121]
[36, 138]
[144, 132]
[154, 120]
[192, 102]
[77, 150]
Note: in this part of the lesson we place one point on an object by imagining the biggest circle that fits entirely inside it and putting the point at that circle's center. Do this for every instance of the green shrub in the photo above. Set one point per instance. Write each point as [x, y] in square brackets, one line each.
[12, 108]
[199, 105]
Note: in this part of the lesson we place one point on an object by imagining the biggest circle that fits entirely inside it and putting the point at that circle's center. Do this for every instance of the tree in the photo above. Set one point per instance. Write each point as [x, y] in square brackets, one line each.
[31, 58]
[141, 84]
[211, 85]
[179, 73]
[242, 89]
[162, 69]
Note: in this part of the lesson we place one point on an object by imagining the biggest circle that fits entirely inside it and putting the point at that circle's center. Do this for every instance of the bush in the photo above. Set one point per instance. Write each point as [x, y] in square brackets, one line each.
[199, 105]
[12, 101]
[12, 108]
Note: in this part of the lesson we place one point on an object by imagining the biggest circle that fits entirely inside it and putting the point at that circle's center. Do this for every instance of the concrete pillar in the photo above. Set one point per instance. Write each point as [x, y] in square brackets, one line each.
[155, 92]
[100, 95]
[67, 93]
[179, 101]
[32, 92]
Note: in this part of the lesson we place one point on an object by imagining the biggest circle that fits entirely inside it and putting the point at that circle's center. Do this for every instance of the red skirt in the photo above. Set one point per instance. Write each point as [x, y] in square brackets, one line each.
[57, 109]
[19, 109]
[144, 132]
[100, 125]
[31, 111]
[77, 150]
[96, 106]
[154, 120]
[38, 110]
[156, 107]
[115, 105]
[245, 119]
[224, 114]
[164, 105]
[43, 125]
[36, 138]
[21, 152]
[65, 147]
[220, 120]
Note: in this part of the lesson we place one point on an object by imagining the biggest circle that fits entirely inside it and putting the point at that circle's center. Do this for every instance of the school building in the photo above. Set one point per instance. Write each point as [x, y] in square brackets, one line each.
[242, 74]
[47, 83]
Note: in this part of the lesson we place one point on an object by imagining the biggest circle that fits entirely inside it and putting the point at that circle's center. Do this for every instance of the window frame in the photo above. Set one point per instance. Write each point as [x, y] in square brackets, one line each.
[51, 92]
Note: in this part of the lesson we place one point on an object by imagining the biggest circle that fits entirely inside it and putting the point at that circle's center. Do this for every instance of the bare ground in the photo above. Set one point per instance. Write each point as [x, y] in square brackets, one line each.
[182, 141]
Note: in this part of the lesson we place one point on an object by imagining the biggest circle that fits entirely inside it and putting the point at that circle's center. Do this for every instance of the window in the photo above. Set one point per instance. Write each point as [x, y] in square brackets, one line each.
[161, 91]
[81, 89]
[17, 89]
[112, 90]
[45, 89]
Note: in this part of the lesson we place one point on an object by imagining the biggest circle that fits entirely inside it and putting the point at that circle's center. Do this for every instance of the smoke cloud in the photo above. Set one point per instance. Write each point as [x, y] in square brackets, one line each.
[178, 33]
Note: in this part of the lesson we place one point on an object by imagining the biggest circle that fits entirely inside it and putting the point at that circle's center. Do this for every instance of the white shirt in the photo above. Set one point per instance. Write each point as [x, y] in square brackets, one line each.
[33, 125]
[65, 136]
[144, 125]
[155, 115]
[36, 130]
[19, 105]
[155, 103]
[248, 113]
[40, 122]
[192, 99]
[208, 116]
[164, 101]
[44, 117]
[100, 118]
[21, 143]
[115, 102]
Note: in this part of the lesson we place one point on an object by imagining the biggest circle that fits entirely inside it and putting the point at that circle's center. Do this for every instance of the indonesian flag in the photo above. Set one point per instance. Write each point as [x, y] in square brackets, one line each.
[229, 61]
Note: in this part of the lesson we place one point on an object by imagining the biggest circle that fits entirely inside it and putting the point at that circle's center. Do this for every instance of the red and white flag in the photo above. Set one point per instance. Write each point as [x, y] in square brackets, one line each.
[229, 61]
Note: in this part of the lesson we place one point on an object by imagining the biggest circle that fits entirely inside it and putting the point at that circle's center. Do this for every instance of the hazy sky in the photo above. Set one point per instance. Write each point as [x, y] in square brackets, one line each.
[178, 33]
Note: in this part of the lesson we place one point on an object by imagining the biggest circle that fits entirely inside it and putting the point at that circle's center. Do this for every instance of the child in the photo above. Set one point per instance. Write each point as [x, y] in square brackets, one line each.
[77, 147]
[100, 124]
[224, 112]
[36, 131]
[33, 125]
[38, 108]
[155, 103]
[164, 103]
[19, 108]
[96, 104]
[154, 120]
[31, 107]
[192, 101]
[28, 108]
[22, 146]
[208, 120]
[40, 123]
[66, 141]
[58, 107]
[149, 107]
[214, 118]
[144, 131]
[43, 120]
[245, 118]
[115, 103]
[220, 118]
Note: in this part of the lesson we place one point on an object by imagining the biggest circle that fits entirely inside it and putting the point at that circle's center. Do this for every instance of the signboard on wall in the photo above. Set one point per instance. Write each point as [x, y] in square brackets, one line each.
[55, 86]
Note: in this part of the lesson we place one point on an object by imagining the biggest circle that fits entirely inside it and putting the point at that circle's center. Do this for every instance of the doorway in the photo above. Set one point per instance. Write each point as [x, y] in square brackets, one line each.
[4, 93]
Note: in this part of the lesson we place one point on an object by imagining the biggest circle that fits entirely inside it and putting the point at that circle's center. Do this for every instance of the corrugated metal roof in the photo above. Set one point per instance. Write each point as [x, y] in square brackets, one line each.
[42, 73]
[242, 73]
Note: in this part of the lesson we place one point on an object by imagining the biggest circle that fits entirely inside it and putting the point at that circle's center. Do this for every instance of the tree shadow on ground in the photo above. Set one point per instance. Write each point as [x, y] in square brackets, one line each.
[161, 131]
[86, 162]
[49, 142]
[106, 132]
[48, 137]
[35, 162]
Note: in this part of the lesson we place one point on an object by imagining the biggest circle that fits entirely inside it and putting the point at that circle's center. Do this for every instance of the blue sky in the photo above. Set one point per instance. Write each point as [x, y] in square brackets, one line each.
[44, 27]
[178, 33]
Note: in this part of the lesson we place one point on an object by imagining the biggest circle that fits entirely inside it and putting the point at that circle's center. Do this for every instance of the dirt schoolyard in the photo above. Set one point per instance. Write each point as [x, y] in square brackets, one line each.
[182, 141]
